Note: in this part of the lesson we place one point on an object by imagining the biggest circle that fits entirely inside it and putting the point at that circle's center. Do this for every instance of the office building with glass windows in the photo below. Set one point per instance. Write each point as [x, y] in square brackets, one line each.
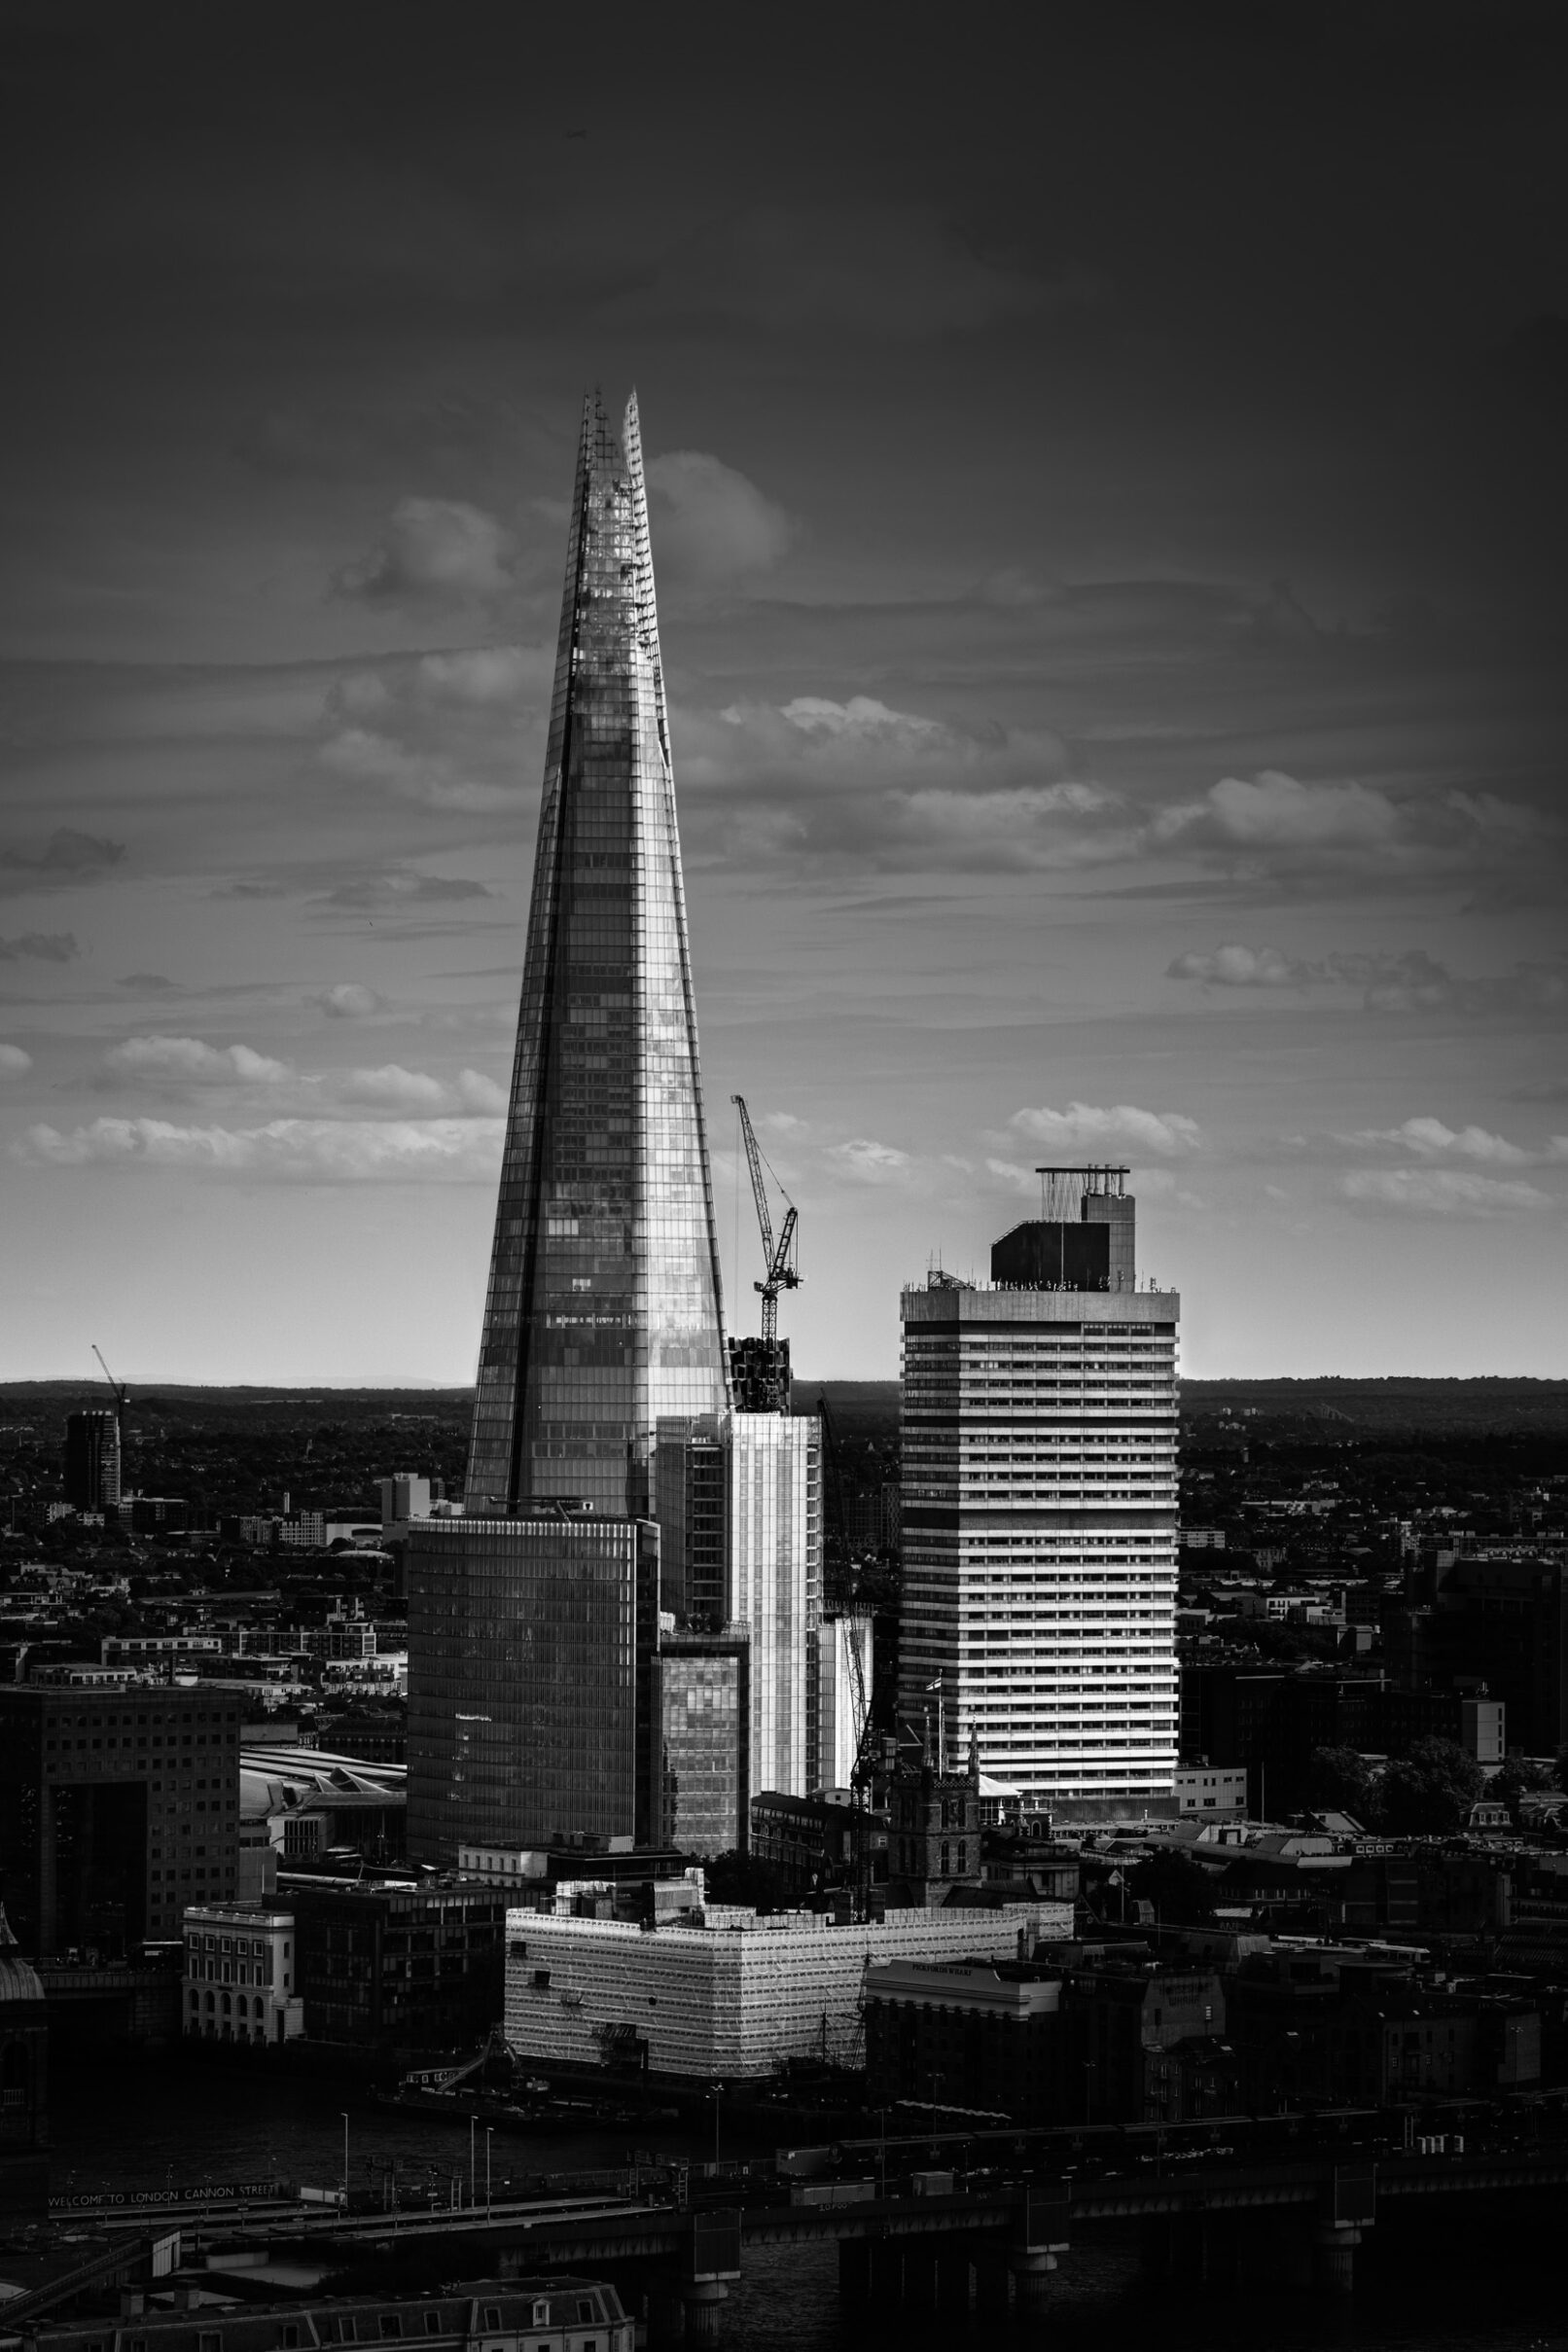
[534, 1617]
[1039, 1509]
[703, 1682]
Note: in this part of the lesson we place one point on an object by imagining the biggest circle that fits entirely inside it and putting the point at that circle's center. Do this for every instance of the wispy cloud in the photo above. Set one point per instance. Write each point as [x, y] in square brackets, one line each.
[14, 1061]
[66, 856]
[1409, 981]
[1118, 1127]
[1442, 1192]
[307, 1151]
[433, 551]
[40, 947]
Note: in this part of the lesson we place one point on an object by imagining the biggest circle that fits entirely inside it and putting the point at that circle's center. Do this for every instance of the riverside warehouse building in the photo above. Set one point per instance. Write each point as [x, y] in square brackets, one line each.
[721, 1994]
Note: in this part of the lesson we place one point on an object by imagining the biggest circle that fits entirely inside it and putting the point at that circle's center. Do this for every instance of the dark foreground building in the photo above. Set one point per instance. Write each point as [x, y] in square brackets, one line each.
[24, 2083]
[117, 1808]
[533, 1619]
[387, 1966]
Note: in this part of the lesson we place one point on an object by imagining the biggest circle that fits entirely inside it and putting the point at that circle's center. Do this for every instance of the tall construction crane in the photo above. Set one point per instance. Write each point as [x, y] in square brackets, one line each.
[759, 1369]
[779, 1258]
[120, 1392]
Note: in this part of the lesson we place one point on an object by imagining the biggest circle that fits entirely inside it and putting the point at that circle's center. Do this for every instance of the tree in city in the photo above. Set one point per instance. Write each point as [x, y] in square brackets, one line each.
[1181, 1891]
[1339, 1780]
[741, 1878]
[1429, 1792]
[1519, 1777]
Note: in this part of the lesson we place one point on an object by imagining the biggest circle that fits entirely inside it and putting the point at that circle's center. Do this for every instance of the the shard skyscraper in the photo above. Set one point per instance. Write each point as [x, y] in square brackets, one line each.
[533, 1618]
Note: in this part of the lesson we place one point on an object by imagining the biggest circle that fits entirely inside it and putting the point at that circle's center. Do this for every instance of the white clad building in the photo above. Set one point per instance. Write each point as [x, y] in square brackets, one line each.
[1039, 1509]
[723, 1994]
[774, 1515]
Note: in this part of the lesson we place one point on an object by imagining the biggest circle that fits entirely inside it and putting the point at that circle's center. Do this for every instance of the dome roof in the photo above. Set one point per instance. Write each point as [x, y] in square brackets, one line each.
[20, 1980]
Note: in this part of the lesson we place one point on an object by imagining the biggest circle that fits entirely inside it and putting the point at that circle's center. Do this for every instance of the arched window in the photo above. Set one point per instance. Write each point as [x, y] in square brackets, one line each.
[228, 2005]
[211, 2004]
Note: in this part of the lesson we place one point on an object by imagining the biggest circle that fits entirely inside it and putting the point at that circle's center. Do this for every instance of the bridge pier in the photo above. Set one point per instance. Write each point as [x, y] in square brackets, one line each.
[1031, 2267]
[992, 2292]
[920, 2272]
[952, 2276]
[1336, 2266]
[855, 2269]
[702, 2302]
[887, 2272]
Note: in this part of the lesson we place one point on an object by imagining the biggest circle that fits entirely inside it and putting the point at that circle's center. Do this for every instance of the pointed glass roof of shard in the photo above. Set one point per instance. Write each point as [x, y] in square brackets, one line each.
[603, 1308]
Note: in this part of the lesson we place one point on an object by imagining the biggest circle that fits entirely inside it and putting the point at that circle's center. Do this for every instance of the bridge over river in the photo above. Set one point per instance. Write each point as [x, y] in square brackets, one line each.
[930, 2238]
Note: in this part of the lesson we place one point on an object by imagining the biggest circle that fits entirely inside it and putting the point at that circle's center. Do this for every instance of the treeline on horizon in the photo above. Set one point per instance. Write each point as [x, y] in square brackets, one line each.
[866, 1409]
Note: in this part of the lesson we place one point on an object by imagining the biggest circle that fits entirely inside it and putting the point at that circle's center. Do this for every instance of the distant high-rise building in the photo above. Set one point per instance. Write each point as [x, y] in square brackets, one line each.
[533, 1619]
[404, 1496]
[92, 1459]
[739, 1498]
[774, 1532]
[1039, 1507]
[703, 1698]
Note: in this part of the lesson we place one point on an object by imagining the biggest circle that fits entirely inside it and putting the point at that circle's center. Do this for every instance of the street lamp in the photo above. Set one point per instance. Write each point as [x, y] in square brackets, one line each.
[345, 2113]
[718, 2086]
[489, 2134]
[473, 2192]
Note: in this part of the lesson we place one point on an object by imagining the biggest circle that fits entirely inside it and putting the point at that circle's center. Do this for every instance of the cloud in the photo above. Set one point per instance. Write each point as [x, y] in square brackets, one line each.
[709, 522]
[459, 733]
[392, 1087]
[358, 755]
[388, 1088]
[1412, 981]
[1274, 827]
[865, 1161]
[41, 947]
[305, 1151]
[1084, 1127]
[484, 674]
[861, 781]
[1430, 1139]
[436, 549]
[348, 1000]
[477, 1092]
[1550, 1090]
[189, 1061]
[393, 890]
[153, 982]
[14, 1062]
[67, 856]
[1440, 1193]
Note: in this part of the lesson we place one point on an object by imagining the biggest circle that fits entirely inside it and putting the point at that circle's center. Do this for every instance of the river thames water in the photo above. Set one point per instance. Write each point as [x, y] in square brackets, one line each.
[142, 2129]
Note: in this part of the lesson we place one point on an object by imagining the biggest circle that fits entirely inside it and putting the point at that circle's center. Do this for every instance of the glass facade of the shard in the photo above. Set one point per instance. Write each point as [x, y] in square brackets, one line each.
[533, 1619]
[603, 1306]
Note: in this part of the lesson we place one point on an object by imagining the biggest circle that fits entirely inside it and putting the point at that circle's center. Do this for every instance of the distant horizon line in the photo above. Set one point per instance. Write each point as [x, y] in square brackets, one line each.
[406, 1386]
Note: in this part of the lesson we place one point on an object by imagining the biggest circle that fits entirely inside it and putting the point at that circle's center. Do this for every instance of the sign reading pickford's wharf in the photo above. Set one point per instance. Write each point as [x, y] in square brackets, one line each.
[210, 2192]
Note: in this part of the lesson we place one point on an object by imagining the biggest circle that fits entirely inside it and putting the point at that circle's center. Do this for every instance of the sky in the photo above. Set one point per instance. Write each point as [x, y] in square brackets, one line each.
[1108, 476]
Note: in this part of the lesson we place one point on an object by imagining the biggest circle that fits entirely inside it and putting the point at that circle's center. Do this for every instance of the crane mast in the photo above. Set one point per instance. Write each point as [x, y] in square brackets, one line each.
[759, 1370]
